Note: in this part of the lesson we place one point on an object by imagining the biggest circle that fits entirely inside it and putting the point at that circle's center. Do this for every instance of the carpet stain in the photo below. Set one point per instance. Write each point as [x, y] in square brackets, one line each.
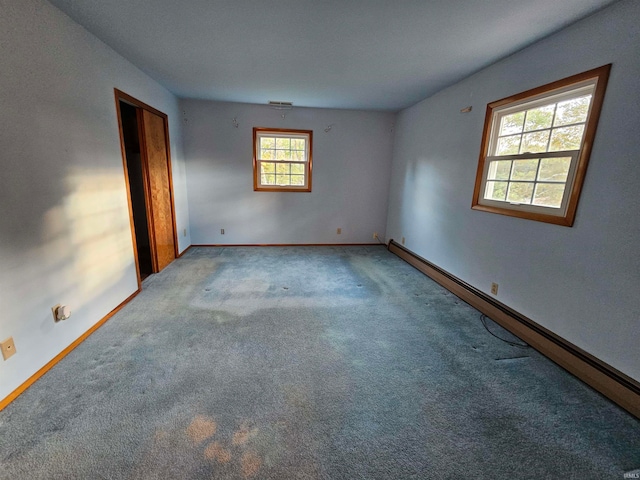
[250, 464]
[217, 452]
[201, 428]
[242, 436]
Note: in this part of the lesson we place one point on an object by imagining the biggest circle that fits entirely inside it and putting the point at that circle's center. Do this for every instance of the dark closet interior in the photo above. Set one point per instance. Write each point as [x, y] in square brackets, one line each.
[130, 131]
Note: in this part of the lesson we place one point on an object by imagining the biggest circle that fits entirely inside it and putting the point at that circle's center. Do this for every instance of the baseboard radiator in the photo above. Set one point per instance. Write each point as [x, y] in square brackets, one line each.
[610, 382]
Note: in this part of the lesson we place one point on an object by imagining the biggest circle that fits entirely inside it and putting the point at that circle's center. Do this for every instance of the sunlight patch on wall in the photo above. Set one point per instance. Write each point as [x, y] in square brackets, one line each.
[99, 226]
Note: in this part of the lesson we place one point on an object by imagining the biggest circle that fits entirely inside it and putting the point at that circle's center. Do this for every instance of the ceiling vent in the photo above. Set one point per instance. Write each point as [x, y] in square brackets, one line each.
[281, 105]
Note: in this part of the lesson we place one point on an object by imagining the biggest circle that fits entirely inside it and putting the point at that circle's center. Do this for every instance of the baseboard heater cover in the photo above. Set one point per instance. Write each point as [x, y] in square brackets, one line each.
[604, 378]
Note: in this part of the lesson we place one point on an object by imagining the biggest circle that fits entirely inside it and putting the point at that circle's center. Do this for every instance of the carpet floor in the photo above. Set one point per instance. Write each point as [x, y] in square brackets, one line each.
[308, 363]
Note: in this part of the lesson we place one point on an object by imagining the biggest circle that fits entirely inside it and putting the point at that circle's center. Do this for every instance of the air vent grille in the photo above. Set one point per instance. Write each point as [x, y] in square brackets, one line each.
[281, 105]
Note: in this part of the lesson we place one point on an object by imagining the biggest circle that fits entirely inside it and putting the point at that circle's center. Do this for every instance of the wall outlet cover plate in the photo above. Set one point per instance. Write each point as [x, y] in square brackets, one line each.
[8, 348]
[54, 311]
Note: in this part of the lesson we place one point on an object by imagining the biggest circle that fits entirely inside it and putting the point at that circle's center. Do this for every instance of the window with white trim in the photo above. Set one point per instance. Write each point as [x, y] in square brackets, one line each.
[536, 147]
[282, 160]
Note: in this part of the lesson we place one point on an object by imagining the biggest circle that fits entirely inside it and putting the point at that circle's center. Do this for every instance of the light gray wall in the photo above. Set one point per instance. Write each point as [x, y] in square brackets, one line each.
[582, 283]
[64, 222]
[351, 165]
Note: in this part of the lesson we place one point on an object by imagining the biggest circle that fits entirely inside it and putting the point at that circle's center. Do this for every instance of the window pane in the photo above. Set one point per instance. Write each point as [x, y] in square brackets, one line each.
[549, 194]
[499, 170]
[511, 124]
[298, 155]
[535, 142]
[283, 155]
[566, 138]
[520, 192]
[298, 143]
[268, 179]
[508, 145]
[539, 118]
[267, 167]
[282, 168]
[282, 180]
[297, 169]
[284, 143]
[267, 142]
[496, 191]
[267, 154]
[554, 169]
[572, 111]
[524, 169]
[297, 180]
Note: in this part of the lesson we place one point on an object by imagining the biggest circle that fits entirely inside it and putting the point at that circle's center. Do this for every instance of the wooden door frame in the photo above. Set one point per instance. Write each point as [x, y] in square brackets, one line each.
[121, 96]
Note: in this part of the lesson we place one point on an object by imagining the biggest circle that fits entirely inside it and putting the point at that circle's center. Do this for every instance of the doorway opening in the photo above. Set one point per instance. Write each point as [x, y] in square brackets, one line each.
[144, 139]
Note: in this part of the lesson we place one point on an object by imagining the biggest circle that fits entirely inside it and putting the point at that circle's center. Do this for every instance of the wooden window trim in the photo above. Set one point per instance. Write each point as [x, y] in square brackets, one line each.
[601, 75]
[309, 164]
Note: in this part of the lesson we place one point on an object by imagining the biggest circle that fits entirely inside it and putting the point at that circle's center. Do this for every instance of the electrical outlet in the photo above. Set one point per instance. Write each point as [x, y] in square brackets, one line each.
[184, 232]
[8, 348]
[339, 231]
[222, 231]
[494, 289]
[403, 240]
[375, 235]
[60, 312]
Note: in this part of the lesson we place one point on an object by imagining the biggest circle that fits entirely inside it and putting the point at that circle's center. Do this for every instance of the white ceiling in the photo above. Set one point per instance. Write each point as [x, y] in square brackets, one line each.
[362, 54]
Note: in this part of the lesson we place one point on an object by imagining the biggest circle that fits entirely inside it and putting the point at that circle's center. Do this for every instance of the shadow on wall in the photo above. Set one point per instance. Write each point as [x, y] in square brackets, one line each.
[421, 188]
[53, 143]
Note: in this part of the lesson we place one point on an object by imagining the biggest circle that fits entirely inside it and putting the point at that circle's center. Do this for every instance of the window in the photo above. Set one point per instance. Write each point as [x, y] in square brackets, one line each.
[282, 160]
[536, 147]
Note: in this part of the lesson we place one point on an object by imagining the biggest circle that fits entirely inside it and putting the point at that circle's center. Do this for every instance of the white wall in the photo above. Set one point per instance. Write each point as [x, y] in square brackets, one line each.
[64, 222]
[351, 165]
[583, 283]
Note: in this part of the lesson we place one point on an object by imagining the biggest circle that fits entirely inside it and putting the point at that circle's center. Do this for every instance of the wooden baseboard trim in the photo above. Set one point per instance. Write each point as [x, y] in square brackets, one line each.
[604, 378]
[33, 378]
[184, 251]
[287, 244]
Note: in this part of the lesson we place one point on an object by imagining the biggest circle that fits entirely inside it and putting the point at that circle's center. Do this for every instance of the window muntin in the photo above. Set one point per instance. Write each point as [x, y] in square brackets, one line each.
[516, 172]
[551, 124]
[536, 147]
[282, 159]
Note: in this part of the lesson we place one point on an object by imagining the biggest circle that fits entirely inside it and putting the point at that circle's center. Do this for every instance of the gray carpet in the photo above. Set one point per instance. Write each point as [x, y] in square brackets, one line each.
[308, 363]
